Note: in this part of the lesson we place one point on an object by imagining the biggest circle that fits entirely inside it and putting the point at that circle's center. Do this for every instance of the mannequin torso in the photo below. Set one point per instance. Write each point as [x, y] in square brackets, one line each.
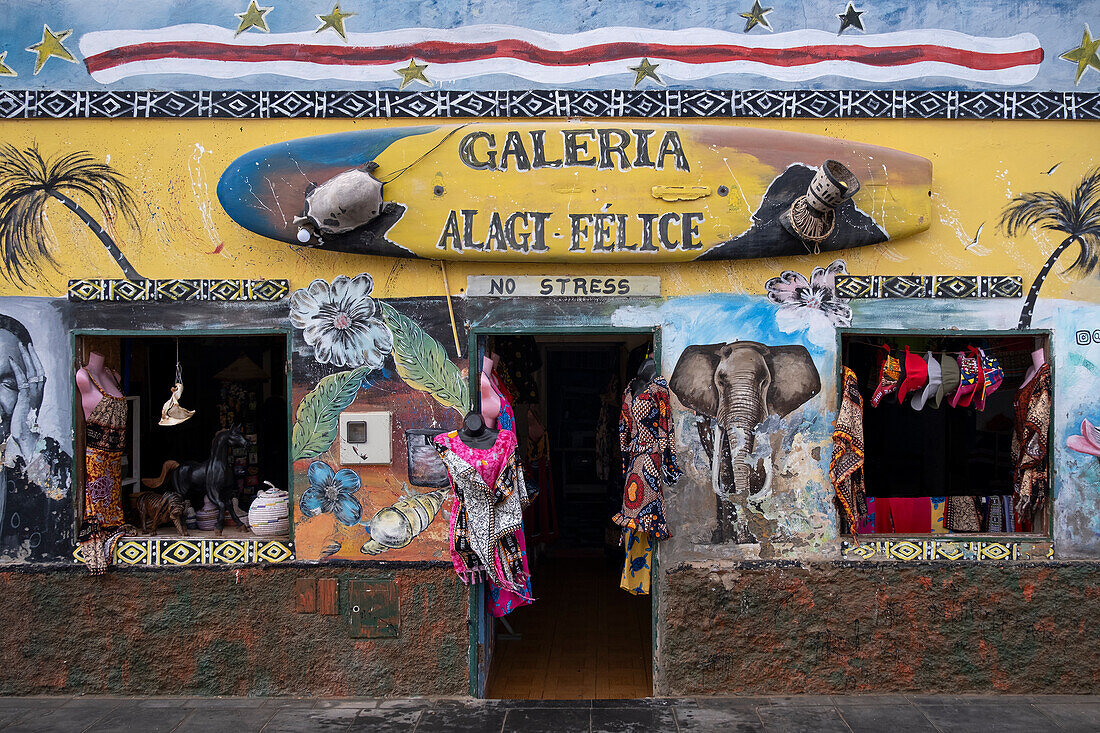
[647, 372]
[490, 400]
[1038, 358]
[476, 434]
[95, 382]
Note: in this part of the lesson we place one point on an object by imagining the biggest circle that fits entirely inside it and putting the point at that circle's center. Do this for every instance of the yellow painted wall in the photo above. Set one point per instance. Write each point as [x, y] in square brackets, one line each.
[175, 166]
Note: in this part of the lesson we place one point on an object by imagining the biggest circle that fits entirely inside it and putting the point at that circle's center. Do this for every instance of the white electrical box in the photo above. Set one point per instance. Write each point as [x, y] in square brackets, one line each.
[365, 438]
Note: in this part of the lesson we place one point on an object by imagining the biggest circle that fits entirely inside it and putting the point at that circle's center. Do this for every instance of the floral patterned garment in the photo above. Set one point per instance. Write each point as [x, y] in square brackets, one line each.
[647, 444]
[1030, 477]
[105, 442]
[486, 523]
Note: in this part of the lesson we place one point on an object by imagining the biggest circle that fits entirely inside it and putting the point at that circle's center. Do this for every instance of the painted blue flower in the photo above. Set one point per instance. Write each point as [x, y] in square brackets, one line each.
[332, 491]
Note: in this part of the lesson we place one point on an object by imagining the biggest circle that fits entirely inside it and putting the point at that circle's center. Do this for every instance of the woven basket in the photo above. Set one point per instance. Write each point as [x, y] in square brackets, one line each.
[207, 516]
[269, 513]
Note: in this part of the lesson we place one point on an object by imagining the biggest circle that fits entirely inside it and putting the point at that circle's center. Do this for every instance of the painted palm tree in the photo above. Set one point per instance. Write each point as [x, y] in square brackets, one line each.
[1076, 217]
[28, 181]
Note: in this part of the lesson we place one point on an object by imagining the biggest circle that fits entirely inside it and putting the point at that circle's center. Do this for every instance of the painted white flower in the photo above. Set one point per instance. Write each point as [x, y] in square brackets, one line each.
[791, 290]
[340, 321]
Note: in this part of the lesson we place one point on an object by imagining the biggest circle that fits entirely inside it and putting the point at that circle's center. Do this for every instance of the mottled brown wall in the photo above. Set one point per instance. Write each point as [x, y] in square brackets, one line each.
[791, 628]
[223, 632]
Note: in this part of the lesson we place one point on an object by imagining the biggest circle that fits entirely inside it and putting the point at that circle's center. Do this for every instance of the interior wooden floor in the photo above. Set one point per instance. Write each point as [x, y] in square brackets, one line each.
[583, 638]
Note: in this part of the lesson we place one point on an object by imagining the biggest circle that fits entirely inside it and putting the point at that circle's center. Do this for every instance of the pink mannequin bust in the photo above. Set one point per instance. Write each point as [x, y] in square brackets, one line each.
[97, 370]
[490, 402]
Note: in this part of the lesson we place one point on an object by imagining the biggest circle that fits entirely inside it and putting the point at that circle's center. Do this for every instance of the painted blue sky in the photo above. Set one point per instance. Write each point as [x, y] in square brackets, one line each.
[1059, 25]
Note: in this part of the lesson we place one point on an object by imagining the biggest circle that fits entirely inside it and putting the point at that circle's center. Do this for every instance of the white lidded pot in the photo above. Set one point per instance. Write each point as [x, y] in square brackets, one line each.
[269, 513]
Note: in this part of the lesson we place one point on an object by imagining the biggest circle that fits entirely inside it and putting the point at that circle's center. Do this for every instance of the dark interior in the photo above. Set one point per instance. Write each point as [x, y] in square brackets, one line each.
[949, 451]
[228, 380]
[584, 637]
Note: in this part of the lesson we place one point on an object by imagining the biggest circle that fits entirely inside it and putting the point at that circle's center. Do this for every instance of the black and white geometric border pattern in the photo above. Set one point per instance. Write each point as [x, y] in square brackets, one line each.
[830, 104]
[929, 286]
[130, 291]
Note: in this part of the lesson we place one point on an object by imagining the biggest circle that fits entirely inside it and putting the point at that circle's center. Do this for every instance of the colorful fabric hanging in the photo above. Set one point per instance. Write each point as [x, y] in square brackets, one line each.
[648, 457]
[638, 567]
[1030, 477]
[846, 467]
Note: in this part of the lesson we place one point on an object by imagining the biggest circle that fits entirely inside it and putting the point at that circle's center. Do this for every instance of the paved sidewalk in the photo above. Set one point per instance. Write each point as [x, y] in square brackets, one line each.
[820, 714]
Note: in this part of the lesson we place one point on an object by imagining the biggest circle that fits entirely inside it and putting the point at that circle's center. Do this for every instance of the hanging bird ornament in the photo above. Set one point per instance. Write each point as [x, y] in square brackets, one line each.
[173, 413]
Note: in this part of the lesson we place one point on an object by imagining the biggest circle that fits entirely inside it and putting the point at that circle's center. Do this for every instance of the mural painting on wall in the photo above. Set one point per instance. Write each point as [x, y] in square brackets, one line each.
[558, 46]
[28, 181]
[35, 500]
[386, 359]
[1076, 218]
[737, 389]
[659, 193]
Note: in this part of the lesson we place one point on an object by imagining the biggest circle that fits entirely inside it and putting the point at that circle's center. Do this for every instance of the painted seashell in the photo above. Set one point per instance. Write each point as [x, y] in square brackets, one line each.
[396, 526]
[341, 204]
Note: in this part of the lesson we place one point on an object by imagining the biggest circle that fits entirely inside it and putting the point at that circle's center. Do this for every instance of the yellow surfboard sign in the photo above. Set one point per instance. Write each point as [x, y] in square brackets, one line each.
[626, 191]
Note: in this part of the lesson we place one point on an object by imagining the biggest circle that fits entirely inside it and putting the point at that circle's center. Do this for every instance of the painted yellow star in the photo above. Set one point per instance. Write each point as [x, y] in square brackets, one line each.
[644, 69]
[253, 18]
[335, 21]
[52, 44]
[756, 17]
[1084, 55]
[6, 70]
[412, 72]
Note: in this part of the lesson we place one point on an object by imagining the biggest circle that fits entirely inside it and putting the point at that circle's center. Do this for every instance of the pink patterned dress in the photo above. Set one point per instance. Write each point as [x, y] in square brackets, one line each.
[486, 529]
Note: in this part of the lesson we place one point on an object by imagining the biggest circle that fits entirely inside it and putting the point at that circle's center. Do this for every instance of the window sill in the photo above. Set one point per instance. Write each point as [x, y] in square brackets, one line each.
[980, 547]
[198, 549]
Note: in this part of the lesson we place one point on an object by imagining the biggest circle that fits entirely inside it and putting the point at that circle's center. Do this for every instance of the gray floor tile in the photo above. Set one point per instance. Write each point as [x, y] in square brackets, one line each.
[221, 703]
[130, 717]
[986, 717]
[547, 720]
[385, 721]
[225, 720]
[633, 720]
[801, 718]
[75, 715]
[1075, 717]
[886, 718]
[461, 720]
[706, 719]
[295, 720]
[803, 700]
[870, 700]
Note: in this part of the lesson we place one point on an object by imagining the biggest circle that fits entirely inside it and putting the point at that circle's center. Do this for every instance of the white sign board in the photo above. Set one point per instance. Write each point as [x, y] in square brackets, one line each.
[549, 286]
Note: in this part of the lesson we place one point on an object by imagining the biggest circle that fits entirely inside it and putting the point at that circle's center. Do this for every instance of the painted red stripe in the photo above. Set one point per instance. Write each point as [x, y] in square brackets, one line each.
[441, 52]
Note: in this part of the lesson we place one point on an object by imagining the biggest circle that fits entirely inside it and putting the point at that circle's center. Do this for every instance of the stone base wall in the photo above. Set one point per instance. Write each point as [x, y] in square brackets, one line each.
[847, 627]
[224, 632]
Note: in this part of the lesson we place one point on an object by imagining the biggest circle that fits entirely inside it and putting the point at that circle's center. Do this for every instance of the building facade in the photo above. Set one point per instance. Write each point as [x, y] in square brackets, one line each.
[320, 221]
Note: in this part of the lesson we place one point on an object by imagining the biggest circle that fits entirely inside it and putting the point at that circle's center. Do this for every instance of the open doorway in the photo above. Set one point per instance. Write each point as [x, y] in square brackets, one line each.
[584, 637]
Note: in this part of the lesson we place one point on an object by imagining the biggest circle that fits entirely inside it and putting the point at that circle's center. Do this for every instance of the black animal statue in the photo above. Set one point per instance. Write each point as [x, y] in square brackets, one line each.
[212, 478]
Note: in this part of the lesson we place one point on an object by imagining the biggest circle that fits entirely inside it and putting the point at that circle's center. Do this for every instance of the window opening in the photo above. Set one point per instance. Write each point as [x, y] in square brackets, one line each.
[949, 467]
[193, 406]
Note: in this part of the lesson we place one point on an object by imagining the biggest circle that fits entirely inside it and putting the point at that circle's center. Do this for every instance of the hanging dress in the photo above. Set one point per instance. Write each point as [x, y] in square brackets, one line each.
[1030, 477]
[648, 457]
[486, 529]
[646, 443]
[105, 441]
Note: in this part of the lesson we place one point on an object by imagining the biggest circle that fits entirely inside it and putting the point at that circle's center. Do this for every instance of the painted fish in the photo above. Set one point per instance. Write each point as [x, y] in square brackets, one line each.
[550, 191]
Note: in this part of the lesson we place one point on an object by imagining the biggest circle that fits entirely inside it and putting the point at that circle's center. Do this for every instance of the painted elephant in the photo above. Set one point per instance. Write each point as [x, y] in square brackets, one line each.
[736, 386]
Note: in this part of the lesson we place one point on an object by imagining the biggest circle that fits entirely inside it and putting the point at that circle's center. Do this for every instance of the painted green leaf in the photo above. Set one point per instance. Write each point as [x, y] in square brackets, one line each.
[318, 418]
[422, 361]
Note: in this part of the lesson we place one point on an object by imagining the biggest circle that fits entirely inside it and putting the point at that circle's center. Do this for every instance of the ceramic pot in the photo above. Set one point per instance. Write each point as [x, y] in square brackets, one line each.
[269, 514]
[832, 185]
